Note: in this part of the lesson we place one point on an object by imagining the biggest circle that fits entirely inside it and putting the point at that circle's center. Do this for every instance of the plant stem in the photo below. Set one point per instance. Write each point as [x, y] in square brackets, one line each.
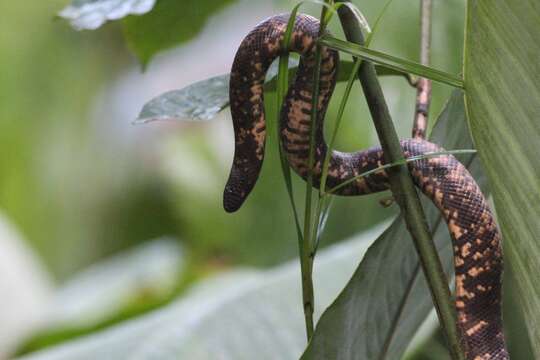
[305, 262]
[307, 249]
[404, 192]
[423, 87]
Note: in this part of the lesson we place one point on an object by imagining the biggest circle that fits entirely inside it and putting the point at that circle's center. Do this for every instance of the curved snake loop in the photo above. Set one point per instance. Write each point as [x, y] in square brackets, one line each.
[476, 238]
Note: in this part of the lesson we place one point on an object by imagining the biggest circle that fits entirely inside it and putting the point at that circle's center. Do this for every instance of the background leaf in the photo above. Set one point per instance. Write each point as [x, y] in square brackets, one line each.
[387, 299]
[113, 290]
[25, 287]
[170, 23]
[239, 315]
[91, 14]
[204, 99]
[148, 270]
[502, 78]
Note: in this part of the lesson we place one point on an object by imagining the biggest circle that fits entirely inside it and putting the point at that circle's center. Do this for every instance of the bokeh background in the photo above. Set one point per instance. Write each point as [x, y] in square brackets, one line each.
[79, 182]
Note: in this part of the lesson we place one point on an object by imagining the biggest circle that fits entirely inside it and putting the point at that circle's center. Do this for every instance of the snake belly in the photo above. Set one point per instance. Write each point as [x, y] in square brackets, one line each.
[475, 235]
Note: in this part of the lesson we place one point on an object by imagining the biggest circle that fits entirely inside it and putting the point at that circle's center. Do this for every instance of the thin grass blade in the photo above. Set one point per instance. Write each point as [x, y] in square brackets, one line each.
[391, 61]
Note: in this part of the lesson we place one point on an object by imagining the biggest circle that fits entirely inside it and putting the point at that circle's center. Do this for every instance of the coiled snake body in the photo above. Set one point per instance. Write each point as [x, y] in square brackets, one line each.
[476, 238]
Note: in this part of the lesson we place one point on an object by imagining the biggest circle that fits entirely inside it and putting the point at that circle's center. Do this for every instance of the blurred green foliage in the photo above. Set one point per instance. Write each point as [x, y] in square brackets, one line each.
[163, 28]
[59, 185]
[48, 77]
[76, 200]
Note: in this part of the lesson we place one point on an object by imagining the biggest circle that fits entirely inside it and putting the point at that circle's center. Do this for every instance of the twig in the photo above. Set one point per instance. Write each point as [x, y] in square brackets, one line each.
[404, 192]
[423, 86]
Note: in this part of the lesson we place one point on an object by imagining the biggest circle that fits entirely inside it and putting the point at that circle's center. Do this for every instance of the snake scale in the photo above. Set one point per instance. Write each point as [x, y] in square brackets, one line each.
[475, 235]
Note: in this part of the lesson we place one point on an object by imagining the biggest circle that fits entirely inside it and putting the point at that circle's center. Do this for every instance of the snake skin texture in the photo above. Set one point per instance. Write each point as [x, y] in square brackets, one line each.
[476, 238]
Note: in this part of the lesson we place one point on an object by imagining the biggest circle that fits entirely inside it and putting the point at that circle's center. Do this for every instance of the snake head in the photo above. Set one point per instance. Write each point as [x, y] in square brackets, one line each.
[241, 181]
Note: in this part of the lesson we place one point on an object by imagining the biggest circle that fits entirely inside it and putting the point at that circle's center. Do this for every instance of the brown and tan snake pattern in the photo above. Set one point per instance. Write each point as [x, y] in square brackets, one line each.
[476, 238]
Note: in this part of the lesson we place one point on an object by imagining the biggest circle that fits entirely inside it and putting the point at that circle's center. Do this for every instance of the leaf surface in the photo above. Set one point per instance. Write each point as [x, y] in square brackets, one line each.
[246, 314]
[502, 78]
[110, 291]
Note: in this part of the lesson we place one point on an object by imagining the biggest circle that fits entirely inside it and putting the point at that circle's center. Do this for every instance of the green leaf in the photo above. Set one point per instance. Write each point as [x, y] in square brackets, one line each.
[203, 100]
[170, 23]
[502, 78]
[151, 269]
[241, 315]
[392, 62]
[387, 299]
[111, 291]
[91, 14]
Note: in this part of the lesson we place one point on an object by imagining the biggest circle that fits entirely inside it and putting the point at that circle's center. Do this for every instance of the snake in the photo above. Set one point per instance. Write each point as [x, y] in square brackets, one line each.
[476, 239]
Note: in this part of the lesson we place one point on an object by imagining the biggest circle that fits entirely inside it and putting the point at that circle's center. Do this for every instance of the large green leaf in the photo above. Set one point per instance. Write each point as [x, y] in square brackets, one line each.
[91, 14]
[149, 270]
[241, 315]
[502, 78]
[110, 291]
[386, 300]
[170, 23]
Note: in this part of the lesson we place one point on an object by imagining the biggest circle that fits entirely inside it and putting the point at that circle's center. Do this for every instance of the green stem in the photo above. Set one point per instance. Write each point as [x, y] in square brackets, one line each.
[280, 94]
[281, 89]
[307, 250]
[403, 190]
